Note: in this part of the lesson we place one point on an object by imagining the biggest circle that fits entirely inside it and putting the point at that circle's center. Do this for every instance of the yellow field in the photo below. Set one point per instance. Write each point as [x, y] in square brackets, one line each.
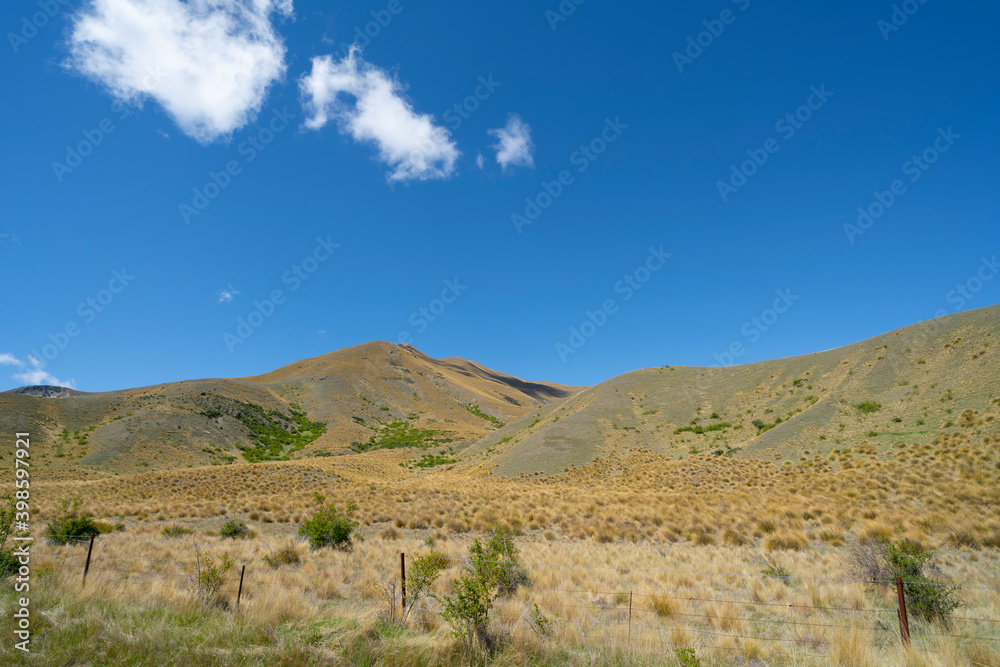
[683, 538]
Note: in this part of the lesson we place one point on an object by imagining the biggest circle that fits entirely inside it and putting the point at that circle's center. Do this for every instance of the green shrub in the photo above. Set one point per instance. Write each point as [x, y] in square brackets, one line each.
[868, 407]
[687, 657]
[175, 530]
[210, 576]
[234, 529]
[881, 561]
[328, 527]
[8, 561]
[71, 526]
[492, 570]
[422, 575]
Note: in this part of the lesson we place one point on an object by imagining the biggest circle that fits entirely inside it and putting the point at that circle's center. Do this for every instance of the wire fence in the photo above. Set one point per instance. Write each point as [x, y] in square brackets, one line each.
[631, 611]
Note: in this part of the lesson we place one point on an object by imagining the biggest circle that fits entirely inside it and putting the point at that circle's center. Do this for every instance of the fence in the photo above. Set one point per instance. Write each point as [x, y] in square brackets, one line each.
[750, 612]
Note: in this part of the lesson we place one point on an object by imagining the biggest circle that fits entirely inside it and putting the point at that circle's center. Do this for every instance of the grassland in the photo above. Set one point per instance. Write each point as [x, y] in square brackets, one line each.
[675, 489]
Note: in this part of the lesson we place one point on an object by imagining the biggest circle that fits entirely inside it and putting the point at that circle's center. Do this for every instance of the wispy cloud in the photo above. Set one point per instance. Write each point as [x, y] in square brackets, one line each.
[410, 143]
[208, 63]
[514, 146]
[480, 161]
[8, 359]
[228, 294]
[34, 374]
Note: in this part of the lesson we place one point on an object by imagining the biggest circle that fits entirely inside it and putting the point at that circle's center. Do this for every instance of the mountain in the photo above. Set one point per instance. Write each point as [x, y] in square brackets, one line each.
[376, 395]
[910, 384]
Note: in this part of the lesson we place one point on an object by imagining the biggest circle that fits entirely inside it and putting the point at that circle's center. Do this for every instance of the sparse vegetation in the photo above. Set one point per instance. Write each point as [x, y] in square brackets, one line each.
[474, 409]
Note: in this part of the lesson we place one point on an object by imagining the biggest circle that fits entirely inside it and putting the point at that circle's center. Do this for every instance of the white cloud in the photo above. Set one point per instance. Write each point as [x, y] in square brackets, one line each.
[209, 63]
[410, 143]
[514, 145]
[227, 295]
[9, 359]
[36, 375]
[480, 161]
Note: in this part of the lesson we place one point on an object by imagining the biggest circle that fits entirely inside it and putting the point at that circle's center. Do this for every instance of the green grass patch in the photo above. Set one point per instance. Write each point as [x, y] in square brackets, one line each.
[703, 429]
[398, 435]
[474, 409]
[434, 460]
[277, 435]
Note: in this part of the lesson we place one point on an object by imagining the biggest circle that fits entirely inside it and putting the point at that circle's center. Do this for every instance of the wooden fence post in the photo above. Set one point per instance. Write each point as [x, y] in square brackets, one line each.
[90, 550]
[239, 594]
[630, 617]
[402, 579]
[904, 624]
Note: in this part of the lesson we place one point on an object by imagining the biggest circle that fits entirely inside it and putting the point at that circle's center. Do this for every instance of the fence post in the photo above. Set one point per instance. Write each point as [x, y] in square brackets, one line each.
[402, 579]
[630, 617]
[239, 593]
[90, 550]
[904, 624]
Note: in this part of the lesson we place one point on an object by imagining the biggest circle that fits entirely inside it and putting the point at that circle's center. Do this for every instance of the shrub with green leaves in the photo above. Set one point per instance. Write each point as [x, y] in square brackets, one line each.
[421, 576]
[234, 528]
[8, 561]
[882, 561]
[330, 528]
[491, 571]
[71, 526]
[210, 575]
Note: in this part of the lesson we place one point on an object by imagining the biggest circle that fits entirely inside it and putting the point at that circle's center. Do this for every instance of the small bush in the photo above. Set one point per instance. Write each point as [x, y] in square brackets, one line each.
[868, 407]
[234, 529]
[175, 530]
[211, 576]
[772, 568]
[330, 528]
[492, 569]
[8, 561]
[287, 556]
[71, 526]
[880, 562]
[687, 658]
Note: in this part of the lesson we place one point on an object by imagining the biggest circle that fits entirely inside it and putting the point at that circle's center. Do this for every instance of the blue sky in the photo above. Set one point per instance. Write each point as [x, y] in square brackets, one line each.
[596, 107]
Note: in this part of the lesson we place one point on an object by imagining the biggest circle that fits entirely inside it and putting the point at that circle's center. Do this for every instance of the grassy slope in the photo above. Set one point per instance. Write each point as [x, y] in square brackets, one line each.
[928, 372]
[353, 391]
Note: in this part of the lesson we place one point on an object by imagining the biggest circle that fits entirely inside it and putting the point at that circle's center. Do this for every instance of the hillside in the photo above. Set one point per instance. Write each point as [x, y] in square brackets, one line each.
[907, 385]
[374, 395]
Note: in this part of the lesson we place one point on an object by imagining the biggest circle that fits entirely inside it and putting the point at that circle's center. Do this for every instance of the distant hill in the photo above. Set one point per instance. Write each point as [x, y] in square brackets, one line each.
[376, 395]
[47, 391]
[908, 384]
